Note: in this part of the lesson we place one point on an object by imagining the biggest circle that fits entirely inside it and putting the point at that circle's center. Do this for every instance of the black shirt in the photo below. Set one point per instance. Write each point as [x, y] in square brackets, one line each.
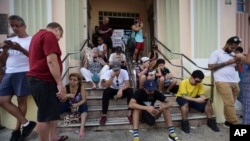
[143, 98]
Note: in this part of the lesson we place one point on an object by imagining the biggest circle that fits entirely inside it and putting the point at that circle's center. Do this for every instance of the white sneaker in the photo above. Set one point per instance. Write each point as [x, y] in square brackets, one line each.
[133, 61]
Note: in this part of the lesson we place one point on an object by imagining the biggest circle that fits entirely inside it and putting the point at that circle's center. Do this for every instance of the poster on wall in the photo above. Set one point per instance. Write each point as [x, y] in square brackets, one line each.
[117, 37]
[3, 23]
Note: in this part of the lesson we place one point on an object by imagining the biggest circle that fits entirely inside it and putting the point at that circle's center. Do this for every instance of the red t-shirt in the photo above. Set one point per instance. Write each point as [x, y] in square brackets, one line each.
[42, 44]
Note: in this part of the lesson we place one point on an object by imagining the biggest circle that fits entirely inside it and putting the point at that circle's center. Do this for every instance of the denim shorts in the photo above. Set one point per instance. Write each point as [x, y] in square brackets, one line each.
[14, 84]
[198, 106]
[44, 94]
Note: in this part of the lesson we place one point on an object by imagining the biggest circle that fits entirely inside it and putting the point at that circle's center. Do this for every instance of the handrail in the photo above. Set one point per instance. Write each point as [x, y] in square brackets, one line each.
[183, 68]
[128, 57]
[72, 53]
[181, 54]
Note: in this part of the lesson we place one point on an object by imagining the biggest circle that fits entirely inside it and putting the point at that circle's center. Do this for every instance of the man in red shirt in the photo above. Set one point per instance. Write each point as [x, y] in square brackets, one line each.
[44, 78]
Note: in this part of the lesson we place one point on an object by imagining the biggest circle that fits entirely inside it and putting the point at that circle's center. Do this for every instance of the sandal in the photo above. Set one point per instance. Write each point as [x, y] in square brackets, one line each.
[63, 138]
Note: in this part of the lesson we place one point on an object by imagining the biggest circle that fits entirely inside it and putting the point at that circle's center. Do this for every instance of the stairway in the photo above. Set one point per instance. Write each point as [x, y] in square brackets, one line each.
[117, 114]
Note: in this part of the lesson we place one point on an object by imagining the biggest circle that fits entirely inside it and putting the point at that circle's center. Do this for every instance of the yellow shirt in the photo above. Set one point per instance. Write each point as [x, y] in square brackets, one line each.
[187, 89]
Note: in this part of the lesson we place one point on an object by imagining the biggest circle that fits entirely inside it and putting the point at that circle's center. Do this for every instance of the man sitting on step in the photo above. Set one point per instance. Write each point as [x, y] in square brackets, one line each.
[191, 94]
[143, 103]
[117, 86]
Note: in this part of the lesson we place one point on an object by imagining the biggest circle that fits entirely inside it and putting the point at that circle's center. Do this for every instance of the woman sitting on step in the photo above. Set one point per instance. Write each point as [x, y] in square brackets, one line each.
[93, 71]
[75, 100]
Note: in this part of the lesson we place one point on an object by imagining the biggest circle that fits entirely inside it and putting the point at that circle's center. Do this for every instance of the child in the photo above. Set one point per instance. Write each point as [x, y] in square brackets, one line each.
[164, 77]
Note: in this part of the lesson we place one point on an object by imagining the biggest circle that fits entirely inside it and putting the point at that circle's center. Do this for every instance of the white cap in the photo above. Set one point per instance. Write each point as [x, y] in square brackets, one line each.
[144, 59]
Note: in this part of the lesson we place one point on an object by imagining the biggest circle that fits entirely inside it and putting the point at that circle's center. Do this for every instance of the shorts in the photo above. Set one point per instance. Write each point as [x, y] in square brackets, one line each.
[65, 107]
[139, 46]
[44, 94]
[198, 106]
[148, 118]
[14, 84]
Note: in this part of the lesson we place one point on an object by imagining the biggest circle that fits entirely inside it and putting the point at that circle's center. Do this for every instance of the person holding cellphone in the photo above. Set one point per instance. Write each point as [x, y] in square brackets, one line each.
[191, 95]
[143, 103]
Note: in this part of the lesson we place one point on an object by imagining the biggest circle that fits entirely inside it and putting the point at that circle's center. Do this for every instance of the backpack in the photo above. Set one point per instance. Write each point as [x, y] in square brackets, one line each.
[131, 41]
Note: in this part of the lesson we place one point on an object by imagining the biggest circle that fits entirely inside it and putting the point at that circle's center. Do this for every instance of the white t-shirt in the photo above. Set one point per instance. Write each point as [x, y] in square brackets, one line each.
[227, 73]
[17, 61]
[123, 75]
[100, 47]
[114, 57]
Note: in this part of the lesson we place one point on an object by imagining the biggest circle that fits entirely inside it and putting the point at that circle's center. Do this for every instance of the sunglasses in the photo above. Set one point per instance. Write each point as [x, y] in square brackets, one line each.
[117, 83]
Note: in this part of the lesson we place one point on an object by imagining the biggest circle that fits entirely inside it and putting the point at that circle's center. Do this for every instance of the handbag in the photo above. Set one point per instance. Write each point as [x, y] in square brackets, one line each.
[95, 78]
[72, 118]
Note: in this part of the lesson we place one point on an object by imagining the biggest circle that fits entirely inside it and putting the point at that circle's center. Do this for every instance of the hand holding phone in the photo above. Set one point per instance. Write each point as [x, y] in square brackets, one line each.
[157, 106]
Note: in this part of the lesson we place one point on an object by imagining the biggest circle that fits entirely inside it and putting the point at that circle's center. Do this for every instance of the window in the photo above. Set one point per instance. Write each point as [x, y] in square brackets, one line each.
[240, 5]
[116, 15]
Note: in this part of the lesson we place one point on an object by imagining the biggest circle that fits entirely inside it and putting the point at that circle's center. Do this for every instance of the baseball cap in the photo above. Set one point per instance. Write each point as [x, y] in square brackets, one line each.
[118, 49]
[116, 65]
[150, 85]
[144, 59]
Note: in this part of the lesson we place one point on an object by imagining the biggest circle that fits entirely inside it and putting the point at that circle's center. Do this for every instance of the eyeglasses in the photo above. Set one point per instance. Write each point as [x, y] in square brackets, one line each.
[117, 83]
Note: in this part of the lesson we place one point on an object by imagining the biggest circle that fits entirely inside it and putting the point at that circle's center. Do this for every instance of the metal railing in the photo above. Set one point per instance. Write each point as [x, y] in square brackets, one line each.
[68, 66]
[183, 68]
[129, 65]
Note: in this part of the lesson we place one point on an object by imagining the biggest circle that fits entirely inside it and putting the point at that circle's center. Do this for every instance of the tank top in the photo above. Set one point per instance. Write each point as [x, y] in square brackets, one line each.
[77, 97]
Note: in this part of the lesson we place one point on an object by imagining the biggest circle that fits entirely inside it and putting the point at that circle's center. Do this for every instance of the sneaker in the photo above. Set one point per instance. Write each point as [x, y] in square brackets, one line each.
[133, 61]
[28, 129]
[139, 62]
[185, 126]
[15, 135]
[227, 124]
[103, 120]
[130, 119]
[212, 124]
[136, 139]
[173, 137]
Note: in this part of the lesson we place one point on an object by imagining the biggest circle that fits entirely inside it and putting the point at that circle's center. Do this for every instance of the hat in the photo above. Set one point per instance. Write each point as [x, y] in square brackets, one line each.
[150, 85]
[144, 59]
[118, 49]
[116, 65]
[234, 39]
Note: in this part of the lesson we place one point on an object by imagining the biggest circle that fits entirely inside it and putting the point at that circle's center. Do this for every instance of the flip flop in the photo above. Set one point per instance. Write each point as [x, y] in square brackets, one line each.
[63, 138]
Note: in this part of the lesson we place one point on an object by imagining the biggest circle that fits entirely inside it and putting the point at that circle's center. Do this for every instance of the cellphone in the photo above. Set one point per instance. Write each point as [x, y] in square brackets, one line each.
[157, 106]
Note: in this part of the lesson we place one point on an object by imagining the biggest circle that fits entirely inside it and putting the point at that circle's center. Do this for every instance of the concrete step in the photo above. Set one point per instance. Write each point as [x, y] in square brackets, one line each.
[119, 110]
[95, 98]
[115, 123]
